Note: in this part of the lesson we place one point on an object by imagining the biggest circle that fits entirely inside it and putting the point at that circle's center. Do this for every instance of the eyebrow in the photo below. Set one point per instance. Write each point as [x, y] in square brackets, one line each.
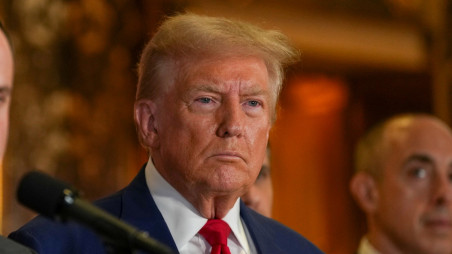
[214, 89]
[207, 88]
[418, 157]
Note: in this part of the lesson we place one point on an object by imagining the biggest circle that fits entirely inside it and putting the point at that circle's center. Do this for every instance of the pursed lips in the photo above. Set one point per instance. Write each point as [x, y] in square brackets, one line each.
[438, 222]
[228, 156]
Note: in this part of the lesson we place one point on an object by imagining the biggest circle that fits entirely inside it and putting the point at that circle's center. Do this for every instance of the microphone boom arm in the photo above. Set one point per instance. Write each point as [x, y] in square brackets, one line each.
[56, 199]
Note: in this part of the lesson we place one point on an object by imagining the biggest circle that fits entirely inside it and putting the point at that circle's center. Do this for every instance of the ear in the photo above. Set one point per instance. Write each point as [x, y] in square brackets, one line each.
[145, 122]
[364, 189]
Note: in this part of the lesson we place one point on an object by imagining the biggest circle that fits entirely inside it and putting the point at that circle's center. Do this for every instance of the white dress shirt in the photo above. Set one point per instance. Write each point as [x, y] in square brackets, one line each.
[366, 248]
[184, 221]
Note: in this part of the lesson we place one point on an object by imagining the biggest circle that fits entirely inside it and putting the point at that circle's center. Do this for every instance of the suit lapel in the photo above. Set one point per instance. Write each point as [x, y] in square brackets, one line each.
[262, 238]
[140, 210]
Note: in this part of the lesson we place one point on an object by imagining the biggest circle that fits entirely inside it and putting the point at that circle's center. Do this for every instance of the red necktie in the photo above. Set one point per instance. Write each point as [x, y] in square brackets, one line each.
[216, 232]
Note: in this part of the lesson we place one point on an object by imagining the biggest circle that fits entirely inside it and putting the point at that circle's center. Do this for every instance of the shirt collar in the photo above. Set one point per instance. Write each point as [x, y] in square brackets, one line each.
[365, 247]
[182, 219]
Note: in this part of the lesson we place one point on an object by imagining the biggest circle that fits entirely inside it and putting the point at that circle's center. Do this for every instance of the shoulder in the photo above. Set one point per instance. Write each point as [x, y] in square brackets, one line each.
[48, 236]
[112, 203]
[279, 236]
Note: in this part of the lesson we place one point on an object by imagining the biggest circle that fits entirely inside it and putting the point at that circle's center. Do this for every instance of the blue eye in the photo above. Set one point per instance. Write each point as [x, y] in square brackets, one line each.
[253, 103]
[204, 100]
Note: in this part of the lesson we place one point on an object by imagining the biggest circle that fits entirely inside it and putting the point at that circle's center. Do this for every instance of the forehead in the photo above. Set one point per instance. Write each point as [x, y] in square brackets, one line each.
[419, 136]
[6, 61]
[226, 68]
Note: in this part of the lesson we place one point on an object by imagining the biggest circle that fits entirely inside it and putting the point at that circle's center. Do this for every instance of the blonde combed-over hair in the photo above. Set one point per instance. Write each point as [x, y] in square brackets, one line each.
[184, 39]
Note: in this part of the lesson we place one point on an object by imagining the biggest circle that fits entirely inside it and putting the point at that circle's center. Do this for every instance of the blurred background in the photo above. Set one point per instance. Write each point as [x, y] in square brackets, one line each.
[362, 61]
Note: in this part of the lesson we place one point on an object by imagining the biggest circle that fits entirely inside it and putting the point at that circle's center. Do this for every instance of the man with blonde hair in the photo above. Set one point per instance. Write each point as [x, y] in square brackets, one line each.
[403, 183]
[205, 103]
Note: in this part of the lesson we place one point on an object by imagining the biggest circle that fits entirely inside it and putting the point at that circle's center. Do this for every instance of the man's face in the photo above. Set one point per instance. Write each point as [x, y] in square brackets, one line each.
[415, 194]
[213, 127]
[259, 197]
[6, 82]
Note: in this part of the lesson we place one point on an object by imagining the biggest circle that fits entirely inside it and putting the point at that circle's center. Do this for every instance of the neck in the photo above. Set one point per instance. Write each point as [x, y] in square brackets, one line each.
[209, 203]
[381, 241]
[212, 206]
[382, 244]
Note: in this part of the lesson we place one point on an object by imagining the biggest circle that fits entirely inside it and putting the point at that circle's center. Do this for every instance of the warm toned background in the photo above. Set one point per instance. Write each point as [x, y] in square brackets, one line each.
[363, 60]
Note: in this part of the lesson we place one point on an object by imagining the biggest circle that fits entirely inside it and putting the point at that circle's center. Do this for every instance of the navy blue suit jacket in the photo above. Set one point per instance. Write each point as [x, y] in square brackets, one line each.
[135, 205]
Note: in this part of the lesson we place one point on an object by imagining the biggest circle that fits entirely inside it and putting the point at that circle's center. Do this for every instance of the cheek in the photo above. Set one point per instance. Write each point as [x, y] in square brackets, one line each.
[402, 200]
[3, 131]
[257, 142]
[258, 134]
[195, 124]
[411, 195]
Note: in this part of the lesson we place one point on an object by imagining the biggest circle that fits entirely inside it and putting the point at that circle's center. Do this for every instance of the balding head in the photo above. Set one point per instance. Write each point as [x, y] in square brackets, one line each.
[377, 143]
[404, 185]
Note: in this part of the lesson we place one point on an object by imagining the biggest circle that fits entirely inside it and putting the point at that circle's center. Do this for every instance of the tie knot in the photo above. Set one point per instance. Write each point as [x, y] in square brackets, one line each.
[216, 232]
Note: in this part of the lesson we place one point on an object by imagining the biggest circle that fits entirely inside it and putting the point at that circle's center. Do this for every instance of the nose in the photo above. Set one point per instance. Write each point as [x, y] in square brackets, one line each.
[230, 118]
[443, 190]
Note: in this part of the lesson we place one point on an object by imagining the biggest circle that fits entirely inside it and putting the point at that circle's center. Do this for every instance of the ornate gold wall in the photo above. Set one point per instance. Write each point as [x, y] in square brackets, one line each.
[72, 107]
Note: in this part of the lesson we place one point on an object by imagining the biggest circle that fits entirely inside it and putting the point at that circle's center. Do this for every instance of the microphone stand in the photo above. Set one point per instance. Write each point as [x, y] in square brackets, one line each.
[119, 237]
[58, 200]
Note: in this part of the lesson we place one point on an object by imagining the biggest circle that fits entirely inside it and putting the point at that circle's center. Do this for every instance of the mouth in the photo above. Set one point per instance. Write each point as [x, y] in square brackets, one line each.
[439, 225]
[227, 156]
[439, 222]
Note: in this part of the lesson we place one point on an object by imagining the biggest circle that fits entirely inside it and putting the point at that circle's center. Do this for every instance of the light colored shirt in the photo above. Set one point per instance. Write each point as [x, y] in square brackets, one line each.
[365, 247]
[184, 221]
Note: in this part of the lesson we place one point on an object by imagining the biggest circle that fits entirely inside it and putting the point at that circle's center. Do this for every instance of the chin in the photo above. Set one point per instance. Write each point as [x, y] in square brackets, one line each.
[228, 178]
[228, 187]
[438, 247]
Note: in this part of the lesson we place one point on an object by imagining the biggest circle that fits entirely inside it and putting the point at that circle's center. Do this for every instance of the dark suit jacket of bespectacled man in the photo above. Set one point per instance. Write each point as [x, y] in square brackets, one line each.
[6, 85]
[205, 103]
[403, 183]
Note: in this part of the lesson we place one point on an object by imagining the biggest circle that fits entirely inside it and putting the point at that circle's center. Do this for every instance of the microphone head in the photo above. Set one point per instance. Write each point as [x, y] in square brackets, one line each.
[42, 193]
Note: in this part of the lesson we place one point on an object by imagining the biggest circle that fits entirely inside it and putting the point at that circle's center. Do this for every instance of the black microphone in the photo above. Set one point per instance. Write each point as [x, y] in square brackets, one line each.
[58, 200]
